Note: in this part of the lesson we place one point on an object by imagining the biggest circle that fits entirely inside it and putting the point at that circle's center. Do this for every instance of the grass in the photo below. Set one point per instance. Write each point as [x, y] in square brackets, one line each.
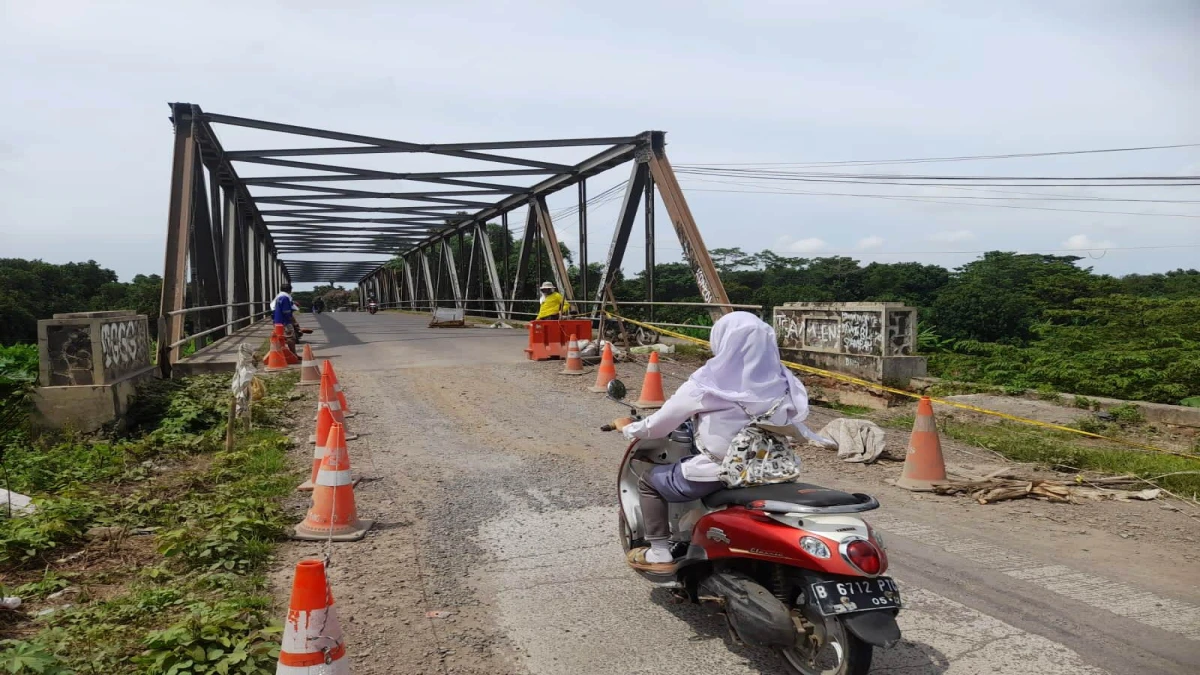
[1061, 450]
[189, 597]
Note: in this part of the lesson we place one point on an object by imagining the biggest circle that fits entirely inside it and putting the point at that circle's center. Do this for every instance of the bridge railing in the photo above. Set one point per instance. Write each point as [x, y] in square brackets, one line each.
[229, 324]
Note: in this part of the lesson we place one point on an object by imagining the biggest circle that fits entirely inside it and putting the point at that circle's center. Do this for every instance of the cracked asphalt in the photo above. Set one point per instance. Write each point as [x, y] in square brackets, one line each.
[495, 549]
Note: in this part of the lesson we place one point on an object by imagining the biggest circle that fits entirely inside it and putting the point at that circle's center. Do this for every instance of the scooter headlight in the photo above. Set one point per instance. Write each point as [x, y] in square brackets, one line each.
[814, 547]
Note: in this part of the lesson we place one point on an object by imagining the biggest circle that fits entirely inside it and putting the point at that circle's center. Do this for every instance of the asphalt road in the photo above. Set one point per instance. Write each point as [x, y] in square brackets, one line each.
[494, 492]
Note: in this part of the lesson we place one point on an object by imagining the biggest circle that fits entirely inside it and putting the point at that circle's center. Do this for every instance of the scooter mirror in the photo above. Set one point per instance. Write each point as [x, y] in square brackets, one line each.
[616, 390]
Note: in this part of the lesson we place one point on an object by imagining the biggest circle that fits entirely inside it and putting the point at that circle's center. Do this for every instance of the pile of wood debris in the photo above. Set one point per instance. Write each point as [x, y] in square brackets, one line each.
[1005, 484]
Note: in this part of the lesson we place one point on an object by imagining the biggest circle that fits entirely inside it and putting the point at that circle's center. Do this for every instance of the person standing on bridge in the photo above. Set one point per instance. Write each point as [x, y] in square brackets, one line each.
[744, 377]
[553, 304]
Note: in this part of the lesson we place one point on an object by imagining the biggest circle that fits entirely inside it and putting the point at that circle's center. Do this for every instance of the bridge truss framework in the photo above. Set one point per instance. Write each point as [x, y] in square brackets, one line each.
[228, 235]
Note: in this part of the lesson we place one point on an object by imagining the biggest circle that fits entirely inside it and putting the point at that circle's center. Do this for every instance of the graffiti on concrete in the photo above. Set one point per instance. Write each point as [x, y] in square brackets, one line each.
[861, 332]
[822, 333]
[787, 328]
[901, 333]
[70, 352]
[125, 347]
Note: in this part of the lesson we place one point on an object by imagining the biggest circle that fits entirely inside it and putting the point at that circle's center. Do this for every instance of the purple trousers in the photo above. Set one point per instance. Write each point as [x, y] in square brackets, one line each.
[663, 484]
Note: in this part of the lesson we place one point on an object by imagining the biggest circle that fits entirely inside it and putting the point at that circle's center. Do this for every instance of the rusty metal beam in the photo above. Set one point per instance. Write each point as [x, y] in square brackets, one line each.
[558, 263]
[179, 220]
[694, 250]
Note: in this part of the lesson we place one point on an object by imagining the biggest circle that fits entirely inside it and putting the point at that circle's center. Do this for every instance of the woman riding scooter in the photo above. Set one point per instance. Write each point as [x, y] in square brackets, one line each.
[745, 377]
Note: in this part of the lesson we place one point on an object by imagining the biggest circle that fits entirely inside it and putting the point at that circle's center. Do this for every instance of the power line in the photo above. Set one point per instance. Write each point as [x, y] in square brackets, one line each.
[940, 201]
[961, 158]
[1033, 196]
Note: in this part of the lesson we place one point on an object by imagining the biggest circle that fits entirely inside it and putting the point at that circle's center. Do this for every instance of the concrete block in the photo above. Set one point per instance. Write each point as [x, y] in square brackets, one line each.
[874, 341]
[86, 408]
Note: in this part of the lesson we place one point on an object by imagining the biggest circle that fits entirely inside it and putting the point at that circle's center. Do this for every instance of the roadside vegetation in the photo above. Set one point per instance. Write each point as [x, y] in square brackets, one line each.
[1061, 450]
[147, 549]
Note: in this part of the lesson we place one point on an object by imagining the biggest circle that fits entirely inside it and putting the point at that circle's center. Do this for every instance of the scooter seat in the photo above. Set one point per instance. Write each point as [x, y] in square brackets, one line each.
[802, 494]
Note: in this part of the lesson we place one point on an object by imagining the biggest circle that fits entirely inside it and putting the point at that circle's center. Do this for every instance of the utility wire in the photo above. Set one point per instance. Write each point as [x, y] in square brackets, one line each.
[961, 158]
[941, 201]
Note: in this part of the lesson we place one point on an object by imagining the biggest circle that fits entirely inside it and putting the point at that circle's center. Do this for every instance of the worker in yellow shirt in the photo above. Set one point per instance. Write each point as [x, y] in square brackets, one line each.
[553, 304]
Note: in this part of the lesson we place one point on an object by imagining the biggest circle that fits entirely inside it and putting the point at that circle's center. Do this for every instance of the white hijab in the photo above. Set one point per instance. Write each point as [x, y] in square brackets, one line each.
[746, 368]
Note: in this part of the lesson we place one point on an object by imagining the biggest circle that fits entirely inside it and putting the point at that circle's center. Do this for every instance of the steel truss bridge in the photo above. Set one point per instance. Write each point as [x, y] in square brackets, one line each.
[421, 231]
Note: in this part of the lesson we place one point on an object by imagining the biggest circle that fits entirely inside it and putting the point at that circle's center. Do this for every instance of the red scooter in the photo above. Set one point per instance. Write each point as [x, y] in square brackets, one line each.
[791, 565]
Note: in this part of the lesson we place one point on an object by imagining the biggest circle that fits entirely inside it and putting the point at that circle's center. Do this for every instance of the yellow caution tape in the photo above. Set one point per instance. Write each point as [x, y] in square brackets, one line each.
[901, 392]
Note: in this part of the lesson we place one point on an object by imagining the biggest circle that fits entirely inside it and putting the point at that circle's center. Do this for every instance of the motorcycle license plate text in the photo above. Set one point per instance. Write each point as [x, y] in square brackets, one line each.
[859, 595]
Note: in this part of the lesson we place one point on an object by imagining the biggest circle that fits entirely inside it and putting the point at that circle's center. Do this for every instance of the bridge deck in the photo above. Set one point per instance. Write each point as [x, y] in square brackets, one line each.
[221, 356]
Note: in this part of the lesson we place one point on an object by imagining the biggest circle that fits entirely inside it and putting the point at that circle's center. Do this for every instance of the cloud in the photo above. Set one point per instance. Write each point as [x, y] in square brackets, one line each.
[1082, 241]
[952, 236]
[809, 245]
[873, 241]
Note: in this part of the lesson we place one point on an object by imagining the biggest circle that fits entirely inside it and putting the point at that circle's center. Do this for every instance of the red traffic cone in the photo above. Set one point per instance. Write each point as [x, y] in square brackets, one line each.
[326, 399]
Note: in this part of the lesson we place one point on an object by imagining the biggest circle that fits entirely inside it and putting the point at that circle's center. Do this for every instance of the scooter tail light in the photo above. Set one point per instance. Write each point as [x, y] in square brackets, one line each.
[863, 555]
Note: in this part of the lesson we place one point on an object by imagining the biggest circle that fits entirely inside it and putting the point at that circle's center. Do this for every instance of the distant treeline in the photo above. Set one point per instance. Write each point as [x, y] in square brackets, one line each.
[1017, 320]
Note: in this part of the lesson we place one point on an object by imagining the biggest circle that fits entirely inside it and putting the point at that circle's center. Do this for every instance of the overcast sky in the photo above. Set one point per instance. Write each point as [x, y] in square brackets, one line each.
[85, 142]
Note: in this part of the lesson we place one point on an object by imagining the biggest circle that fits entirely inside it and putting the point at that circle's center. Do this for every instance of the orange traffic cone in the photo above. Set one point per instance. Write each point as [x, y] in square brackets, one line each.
[312, 636]
[333, 514]
[288, 354]
[652, 387]
[320, 449]
[327, 400]
[337, 388]
[310, 372]
[607, 372]
[923, 463]
[275, 360]
[574, 363]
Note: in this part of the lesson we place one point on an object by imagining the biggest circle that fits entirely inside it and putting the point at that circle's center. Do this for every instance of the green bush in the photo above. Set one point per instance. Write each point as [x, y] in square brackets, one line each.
[225, 638]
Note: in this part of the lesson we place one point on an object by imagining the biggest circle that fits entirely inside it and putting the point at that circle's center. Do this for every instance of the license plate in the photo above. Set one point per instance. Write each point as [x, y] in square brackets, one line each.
[858, 595]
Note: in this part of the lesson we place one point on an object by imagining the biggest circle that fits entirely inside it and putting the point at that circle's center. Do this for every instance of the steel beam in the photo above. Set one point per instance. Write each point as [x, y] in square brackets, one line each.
[381, 142]
[638, 175]
[558, 264]
[452, 271]
[412, 287]
[179, 221]
[583, 240]
[694, 250]
[528, 240]
[489, 265]
[648, 212]
[428, 279]
[492, 145]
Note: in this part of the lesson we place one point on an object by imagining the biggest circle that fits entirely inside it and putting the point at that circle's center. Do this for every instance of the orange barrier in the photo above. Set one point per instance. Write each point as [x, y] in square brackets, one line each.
[333, 514]
[548, 339]
[607, 372]
[652, 386]
[337, 388]
[310, 372]
[574, 362]
[276, 360]
[923, 463]
[312, 636]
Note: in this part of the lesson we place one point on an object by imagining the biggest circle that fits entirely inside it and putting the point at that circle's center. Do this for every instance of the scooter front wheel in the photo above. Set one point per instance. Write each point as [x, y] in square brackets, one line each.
[827, 649]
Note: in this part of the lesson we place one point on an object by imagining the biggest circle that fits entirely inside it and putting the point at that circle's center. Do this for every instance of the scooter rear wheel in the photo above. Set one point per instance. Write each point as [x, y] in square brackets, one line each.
[841, 653]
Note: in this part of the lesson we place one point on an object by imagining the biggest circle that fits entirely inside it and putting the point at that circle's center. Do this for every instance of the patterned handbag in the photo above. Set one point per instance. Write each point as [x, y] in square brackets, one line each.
[761, 453]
